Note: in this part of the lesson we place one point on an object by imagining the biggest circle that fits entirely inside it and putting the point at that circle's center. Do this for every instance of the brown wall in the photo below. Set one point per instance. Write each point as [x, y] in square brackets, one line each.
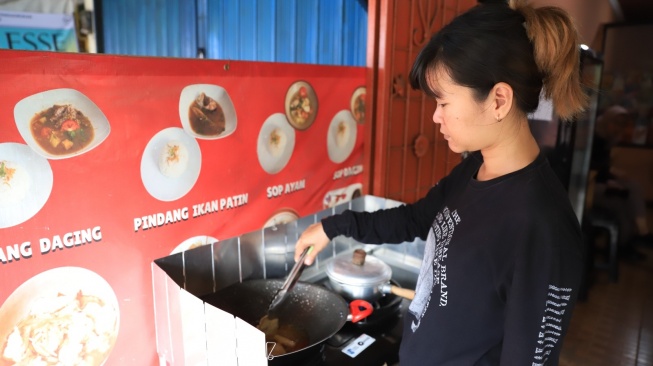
[589, 15]
[405, 153]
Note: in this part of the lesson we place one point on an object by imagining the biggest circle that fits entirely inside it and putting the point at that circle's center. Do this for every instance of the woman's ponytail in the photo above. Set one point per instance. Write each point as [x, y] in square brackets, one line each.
[556, 51]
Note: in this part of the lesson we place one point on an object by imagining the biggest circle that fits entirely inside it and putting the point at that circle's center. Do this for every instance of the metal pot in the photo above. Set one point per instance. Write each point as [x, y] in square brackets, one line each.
[362, 277]
[313, 309]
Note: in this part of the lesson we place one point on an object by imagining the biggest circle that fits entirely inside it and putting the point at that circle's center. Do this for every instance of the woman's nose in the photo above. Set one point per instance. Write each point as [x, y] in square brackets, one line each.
[437, 117]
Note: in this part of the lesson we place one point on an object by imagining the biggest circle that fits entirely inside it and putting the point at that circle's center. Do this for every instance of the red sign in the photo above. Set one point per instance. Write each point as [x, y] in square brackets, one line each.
[109, 162]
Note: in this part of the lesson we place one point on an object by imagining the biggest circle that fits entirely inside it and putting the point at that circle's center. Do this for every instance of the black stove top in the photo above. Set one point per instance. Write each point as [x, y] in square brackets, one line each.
[371, 342]
[354, 346]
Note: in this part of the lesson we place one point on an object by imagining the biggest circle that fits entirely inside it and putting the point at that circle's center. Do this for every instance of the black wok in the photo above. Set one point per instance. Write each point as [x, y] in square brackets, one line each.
[311, 308]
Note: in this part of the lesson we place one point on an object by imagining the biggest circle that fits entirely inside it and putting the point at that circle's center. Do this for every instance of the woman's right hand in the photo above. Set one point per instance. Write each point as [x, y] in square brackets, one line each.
[314, 235]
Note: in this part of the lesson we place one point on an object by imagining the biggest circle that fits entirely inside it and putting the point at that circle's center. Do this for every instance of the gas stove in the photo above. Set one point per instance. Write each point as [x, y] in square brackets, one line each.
[373, 341]
[354, 345]
[184, 322]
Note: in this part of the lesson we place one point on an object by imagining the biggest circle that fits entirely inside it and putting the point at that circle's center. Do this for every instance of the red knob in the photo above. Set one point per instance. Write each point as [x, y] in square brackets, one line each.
[360, 309]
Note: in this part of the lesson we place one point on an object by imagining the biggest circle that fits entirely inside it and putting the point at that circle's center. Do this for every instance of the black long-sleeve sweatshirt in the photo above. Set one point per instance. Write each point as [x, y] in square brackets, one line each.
[501, 269]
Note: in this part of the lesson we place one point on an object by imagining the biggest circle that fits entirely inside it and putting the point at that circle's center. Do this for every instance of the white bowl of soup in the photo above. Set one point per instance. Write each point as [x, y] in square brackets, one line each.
[61, 123]
[207, 112]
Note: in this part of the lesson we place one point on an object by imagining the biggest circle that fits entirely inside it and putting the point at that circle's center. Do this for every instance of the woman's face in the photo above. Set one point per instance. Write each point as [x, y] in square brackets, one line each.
[467, 125]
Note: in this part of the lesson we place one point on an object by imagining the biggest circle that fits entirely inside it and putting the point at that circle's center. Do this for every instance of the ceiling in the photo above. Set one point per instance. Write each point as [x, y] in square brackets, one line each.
[637, 11]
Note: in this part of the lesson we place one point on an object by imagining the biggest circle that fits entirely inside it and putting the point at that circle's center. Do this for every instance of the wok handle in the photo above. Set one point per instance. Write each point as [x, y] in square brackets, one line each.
[360, 309]
[399, 291]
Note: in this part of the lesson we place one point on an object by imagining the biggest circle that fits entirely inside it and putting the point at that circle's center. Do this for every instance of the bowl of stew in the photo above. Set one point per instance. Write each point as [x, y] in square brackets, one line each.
[207, 112]
[61, 123]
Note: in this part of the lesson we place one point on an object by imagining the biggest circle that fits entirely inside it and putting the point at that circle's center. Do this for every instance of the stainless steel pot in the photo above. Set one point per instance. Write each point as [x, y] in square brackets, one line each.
[362, 277]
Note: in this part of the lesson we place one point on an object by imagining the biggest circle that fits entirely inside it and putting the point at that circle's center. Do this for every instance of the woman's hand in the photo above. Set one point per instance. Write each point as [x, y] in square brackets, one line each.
[314, 235]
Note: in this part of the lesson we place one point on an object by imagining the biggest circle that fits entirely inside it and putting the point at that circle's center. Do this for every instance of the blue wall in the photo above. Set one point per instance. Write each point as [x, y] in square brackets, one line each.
[332, 32]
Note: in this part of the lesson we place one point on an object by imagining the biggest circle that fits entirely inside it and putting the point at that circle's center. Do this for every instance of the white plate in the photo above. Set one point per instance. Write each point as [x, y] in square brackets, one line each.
[273, 160]
[340, 145]
[341, 195]
[36, 295]
[194, 242]
[217, 93]
[25, 110]
[35, 188]
[284, 216]
[163, 187]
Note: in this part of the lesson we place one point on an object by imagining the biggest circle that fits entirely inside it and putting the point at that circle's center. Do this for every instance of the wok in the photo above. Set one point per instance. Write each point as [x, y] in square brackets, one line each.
[311, 308]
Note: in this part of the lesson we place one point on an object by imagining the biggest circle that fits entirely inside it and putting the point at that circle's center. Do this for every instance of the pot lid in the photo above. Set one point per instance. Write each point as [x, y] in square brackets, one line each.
[359, 270]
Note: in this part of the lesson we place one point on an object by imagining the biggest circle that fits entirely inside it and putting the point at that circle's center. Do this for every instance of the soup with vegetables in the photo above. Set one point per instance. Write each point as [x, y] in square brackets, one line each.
[300, 107]
[61, 129]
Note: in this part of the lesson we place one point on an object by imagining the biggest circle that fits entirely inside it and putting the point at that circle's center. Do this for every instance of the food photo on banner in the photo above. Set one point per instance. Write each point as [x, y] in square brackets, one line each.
[110, 162]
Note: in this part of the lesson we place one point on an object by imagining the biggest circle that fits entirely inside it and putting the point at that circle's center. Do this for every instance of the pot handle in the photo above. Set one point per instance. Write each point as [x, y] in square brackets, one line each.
[360, 309]
[399, 291]
[403, 292]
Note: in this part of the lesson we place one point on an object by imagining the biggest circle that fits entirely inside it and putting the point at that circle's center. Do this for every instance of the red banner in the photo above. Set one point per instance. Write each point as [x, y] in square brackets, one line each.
[109, 162]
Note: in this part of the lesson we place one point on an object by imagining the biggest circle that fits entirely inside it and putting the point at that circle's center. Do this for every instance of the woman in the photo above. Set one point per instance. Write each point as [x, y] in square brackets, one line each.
[502, 262]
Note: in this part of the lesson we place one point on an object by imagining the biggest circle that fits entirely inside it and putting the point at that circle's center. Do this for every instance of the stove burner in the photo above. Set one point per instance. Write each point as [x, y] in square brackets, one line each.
[385, 315]
[383, 325]
[387, 311]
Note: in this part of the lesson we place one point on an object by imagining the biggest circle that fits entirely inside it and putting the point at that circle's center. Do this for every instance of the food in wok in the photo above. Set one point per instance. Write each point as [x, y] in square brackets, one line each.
[282, 338]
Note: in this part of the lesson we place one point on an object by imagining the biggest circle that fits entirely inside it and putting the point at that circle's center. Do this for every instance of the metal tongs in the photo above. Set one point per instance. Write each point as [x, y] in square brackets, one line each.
[292, 278]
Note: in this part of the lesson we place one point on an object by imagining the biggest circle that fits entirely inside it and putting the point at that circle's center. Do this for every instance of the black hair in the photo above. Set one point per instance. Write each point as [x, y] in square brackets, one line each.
[486, 45]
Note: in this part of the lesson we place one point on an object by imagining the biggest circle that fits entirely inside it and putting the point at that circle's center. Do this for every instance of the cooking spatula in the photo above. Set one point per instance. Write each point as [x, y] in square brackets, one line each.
[292, 278]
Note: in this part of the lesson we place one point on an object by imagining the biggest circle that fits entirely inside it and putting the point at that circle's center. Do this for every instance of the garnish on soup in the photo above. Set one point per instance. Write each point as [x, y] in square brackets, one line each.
[277, 142]
[6, 173]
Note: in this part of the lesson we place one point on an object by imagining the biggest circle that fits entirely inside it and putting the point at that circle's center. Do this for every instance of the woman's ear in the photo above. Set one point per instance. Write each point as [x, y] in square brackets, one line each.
[502, 100]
